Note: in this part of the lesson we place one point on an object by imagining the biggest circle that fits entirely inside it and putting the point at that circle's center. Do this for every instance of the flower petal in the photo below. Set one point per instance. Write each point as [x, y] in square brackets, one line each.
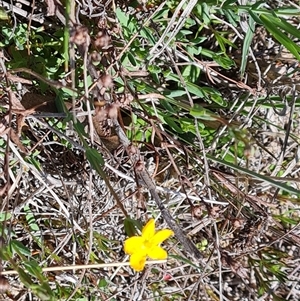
[161, 236]
[137, 261]
[157, 253]
[149, 230]
[133, 244]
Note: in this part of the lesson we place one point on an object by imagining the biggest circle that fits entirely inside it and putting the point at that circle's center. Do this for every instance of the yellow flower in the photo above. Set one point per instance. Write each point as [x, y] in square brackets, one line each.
[146, 245]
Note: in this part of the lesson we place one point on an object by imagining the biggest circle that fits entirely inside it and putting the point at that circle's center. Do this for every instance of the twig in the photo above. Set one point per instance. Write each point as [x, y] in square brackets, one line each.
[29, 26]
[185, 241]
[84, 266]
[48, 81]
[141, 172]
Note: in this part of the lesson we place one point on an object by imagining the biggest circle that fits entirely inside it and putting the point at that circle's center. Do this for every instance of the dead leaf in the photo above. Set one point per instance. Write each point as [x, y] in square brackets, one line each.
[15, 139]
[51, 7]
[4, 125]
[15, 102]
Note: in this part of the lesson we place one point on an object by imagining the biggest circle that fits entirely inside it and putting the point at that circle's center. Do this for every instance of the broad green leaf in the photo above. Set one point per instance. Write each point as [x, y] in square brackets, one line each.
[189, 22]
[167, 105]
[231, 16]
[175, 93]
[19, 248]
[204, 10]
[193, 50]
[183, 33]
[201, 113]
[154, 69]
[194, 89]
[214, 95]
[223, 61]
[4, 216]
[102, 283]
[31, 219]
[148, 35]
[172, 76]
[131, 59]
[171, 122]
[209, 53]
[122, 17]
[33, 268]
[223, 42]
[25, 279]
[188, 125]
[191, 72]
[43, 291]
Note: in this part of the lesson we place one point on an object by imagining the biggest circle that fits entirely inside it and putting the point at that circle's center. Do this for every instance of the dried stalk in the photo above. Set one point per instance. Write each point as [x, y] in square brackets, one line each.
[188, 245]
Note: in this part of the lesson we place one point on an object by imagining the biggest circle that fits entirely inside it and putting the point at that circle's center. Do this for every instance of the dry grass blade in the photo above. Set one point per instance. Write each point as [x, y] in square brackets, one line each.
[84, 267]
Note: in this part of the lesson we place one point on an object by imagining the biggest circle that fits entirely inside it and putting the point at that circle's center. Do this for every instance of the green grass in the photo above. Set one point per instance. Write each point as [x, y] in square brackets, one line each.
[203, 103]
